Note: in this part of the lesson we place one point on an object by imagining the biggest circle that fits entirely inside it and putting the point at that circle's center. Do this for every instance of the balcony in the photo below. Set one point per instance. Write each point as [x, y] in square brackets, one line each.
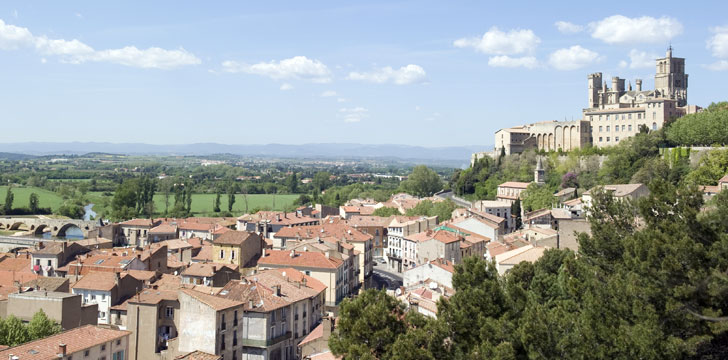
[268, 342]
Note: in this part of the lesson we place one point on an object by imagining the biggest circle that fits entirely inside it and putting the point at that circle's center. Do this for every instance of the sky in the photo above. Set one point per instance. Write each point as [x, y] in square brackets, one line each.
[428, 73]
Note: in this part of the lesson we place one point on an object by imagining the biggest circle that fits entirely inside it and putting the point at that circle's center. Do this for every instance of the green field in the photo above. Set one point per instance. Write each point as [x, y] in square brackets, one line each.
[203, 203]
[22, 194]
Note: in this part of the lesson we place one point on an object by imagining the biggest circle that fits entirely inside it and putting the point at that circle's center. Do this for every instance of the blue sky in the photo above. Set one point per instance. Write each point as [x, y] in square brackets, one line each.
[417, 73]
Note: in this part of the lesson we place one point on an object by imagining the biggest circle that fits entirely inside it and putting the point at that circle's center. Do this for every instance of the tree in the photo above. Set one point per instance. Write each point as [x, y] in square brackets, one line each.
[71, 210]
[386, 211]
[321, 181]
[368, 326]
[231, 196]
[442, 209]
[216, 204]
[569, 180]
[292, 183]
[537, 197]
[13, 332]
[9, 197]
[33, 203]
[422, 182]
[41, 326]
[516, 211]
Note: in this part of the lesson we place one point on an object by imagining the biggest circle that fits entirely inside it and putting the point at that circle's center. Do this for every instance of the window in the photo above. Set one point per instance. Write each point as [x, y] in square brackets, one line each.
[654, 126]
[235, 318]
[222, 343]
[102, 315]
[629, 116]
[235, 354]
[232, 255]
[639, 116]
[222, 322]
[119, 355]
[616, 128]
[607, 117]
[222, 254]
[622, 127]
[607, 128]
[616, 138]
[607, 138]
[85, 353]
[169, 312]
[103, 347]
[629, 127]
[49, 263]
[272, 332]
[235, 339]
[103, 297]
[600, 129]
[118, 342]
[600, 139]
[654, 115]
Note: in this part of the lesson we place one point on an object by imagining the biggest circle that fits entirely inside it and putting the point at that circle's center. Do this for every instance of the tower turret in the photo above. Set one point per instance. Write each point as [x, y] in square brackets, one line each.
[539, 175]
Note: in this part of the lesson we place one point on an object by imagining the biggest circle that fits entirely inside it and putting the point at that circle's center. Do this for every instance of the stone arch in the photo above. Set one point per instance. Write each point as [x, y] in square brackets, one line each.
[540, 141]
[40, 229]
[16, 226]
[551, 142]
[558, 138]
[62, 230]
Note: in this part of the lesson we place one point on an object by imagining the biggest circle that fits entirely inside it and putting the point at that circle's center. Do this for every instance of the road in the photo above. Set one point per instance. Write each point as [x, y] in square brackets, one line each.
[385, 279]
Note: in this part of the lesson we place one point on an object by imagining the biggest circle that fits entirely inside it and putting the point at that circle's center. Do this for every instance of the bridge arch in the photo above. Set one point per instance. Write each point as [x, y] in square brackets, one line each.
[40, 229]
[61, 232]
[16, 225]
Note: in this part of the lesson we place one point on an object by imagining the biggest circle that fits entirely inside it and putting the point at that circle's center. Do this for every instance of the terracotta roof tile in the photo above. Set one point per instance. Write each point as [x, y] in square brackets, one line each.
[300, 259]
[216, 302]
[198, 355]
[97, 280]
[76, 340]
[138, 223]
[235, 238]
[515, 184]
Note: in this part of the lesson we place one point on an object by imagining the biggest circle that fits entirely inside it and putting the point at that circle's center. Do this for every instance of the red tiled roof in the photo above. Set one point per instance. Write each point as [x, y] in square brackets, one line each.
[76, 340]
[138, 222]
[515, 184]
[316, 333]
[236, 238]
[16, 264]
[163, 229]
[334, 230]
[97, 280]
[300, 259]
[216, 302]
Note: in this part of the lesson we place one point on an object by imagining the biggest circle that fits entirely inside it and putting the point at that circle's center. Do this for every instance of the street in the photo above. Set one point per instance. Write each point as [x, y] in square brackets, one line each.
[384, 279]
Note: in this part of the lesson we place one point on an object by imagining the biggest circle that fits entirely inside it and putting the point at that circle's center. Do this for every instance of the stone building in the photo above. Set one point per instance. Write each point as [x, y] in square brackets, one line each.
[86, 342]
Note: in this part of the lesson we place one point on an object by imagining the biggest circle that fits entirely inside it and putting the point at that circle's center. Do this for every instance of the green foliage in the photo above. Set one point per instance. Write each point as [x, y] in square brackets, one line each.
[216, 205]
[516, 210]
[422, 182]
[442, 209]
[8, 204]
[537, 197]
[630, 155]
[386, 211]
[704, 128]
[13, 332]
[649, 289]
[711, 167]
[321, 181]
[71, 210]
[134, 197]
[33, 203]
[231, 197]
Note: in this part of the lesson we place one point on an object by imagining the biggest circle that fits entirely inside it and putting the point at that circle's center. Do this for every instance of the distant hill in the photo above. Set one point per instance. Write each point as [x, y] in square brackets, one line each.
[14, 156]
[326, 150]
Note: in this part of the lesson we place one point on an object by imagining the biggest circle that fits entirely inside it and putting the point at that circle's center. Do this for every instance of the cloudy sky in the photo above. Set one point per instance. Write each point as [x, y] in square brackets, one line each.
[426, 73]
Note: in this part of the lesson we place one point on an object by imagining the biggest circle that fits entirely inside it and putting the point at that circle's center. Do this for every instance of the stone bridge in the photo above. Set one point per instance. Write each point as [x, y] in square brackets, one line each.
[38, 226]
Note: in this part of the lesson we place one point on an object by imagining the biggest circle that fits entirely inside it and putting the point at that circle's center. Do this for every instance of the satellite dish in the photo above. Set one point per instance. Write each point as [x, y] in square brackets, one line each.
[398, 292]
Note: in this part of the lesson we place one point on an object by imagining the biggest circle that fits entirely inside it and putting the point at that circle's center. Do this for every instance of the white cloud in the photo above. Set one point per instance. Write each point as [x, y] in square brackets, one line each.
[328, 93]
[417, 108]
[295, 68]
[575, 57]
[286, 86]
[719, 65]
[79, 15]
[619, 29]
[528, 62]
[496, 42]
[566, 27]
[341, 100]
[718, 43]
[355, 114]
[639, 59]
[409, 74]
[74, 51]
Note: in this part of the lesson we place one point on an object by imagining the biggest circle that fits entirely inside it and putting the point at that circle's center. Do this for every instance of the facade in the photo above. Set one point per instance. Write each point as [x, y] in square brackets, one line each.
[439, 244]
[546, 135]
[237, 248]
[618, 113]
[86, 342]
[499, 208]
[135, 232]
[327, 267]
[64, 308]
[153, 318]
[209, 274]
[50, 256]
[510, 191]
[106, 289]
[399, 228]
[437, 270]
[618, 191]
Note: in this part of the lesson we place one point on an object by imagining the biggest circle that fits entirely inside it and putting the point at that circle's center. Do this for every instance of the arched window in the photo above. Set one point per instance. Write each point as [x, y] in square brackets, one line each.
[654, 126]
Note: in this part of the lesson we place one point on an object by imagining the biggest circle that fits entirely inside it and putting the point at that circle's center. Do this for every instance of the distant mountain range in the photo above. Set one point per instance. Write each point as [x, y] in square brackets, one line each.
[325, 150]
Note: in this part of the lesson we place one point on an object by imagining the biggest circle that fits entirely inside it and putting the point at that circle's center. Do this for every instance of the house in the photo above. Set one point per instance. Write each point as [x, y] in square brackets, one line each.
[102, 261]
[62, 307]
[198, 355]
[509, 259]
[423, 297]
[48, 284]
[438, 270]
[618, 191]
[49, 256]
[542, 218]
[163, 232]
[471, 245]
[327, 267]
[179, 249]
[135, 232]
[566, 194]
[499, 208]
[478, 226]
[106, 289]
[267, 223]
[376, 226]
[439, 244]
[210, 274]
[331, 231]
[95, 243]
[85, 342]
[204, 323]
[316, 344]
[398, 228]
[510, 191]
[501, 223]
[240, 248]
[153, 317]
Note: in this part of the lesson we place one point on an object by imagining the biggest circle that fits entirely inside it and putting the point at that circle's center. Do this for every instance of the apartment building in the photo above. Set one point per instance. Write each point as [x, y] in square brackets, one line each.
[86, 342]
[106, 289]
[238, 248]
[399, 228]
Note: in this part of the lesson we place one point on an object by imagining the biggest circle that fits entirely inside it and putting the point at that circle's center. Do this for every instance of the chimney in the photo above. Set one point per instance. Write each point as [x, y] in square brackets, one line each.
[277, 290]
[328, 326]
[40, 245]
[62, 349]
[304, 281]
[250, 303]
[293, 253]
[328, 254]
[117, 278]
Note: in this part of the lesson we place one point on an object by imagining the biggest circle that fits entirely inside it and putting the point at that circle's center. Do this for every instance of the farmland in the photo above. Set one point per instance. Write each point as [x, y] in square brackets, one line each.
[46, 198]
[203, 203]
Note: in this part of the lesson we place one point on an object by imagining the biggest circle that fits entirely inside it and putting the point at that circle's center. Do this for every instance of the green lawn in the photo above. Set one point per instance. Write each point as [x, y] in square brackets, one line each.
[22, 194]
[203, 203]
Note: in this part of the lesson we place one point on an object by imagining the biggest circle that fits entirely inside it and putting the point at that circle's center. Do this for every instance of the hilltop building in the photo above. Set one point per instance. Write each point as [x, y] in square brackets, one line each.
[612, 114]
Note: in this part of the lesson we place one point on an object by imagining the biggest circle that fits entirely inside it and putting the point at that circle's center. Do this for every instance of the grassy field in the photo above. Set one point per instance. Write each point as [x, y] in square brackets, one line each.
[203, 203]
[22, 194]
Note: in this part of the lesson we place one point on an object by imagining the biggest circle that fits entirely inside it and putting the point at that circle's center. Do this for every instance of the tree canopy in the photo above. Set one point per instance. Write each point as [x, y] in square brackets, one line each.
[422, 182]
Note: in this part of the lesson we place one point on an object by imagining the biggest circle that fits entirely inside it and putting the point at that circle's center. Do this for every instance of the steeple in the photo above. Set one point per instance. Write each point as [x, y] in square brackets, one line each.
[539, 175]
